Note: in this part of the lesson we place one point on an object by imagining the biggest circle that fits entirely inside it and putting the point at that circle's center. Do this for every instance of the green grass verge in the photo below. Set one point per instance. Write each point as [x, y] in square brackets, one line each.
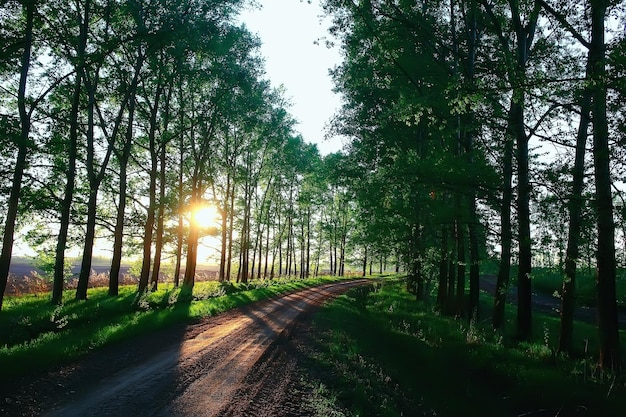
[384, 354]
[36, 335]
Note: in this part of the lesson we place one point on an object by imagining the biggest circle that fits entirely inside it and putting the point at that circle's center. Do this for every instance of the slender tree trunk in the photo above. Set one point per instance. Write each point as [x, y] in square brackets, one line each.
[180, 231]
[302, 250]
[365, 260]
[225, 210]
[245, 235]
[308, 242]
[116, 261]
[94, 185]
[335, 245]
[576, 201]
[22, 151]
[158, 242]
[267, 245]
[506, 237]
[231, 229]
[118, 234]
[451, 305]
[342, 250]
[524, 291]
[442, 290]
[192, 239]
[607, 305]
[70, 176]
[280, 244]
[95, 175]
[148, 229]
[460, 269]
[319, 246]
[123, 158]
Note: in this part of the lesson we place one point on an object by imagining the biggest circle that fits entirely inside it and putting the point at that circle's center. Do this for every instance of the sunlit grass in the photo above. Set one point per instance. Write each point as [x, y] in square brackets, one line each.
[36, 335]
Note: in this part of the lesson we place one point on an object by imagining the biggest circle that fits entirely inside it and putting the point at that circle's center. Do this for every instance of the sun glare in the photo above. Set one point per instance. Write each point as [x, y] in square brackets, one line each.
[206, 216]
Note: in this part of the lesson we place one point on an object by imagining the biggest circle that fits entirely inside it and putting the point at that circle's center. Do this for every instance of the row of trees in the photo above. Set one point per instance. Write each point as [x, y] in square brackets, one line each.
[121, 120]
[465, 116]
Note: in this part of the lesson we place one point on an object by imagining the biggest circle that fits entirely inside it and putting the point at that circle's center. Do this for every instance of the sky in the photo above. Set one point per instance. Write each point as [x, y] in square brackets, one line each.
[288, 30]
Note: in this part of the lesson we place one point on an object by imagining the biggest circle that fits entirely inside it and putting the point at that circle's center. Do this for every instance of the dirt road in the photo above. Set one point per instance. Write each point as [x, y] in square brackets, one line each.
[194, 371]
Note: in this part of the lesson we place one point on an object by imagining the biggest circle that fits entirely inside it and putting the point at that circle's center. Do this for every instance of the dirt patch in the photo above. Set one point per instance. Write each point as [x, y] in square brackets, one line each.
[232, 364]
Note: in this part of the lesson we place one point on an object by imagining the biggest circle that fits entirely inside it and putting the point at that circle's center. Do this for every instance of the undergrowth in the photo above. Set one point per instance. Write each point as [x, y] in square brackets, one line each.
[384, 354]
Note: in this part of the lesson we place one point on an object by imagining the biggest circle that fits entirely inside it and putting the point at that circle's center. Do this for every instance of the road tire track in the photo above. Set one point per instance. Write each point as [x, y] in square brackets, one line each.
[197, 372]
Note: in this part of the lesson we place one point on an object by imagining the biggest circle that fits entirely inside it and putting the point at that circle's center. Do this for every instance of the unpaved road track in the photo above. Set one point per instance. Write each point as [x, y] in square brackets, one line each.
[195, 372]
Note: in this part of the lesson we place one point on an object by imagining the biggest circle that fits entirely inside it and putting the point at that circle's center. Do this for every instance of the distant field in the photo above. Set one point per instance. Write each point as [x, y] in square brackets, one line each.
[25, 278]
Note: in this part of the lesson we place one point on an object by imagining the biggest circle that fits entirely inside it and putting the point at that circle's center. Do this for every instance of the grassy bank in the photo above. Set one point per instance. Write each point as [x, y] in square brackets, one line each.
[384, 354]
[36, 335]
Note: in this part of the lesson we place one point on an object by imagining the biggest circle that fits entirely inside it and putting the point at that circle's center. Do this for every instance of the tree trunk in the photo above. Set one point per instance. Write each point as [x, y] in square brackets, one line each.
[158, 241]
[231, 229]
[95, 175]
[192, 239]
[506, 237]
[607, 305]
[123, 158]
[118, 233]
[308, 242]
[22, 151]
[442, 289]
[72, 155]
[180, 196]
[460, 269]
[94, 185]
[451, 305]
[365, 261]
[524, 291]
[474, 273]
[267, 245]
[148, 229]
[225, 210]
[576, 201]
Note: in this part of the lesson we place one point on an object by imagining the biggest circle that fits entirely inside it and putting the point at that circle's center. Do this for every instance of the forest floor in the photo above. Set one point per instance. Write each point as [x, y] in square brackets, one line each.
[242, 362]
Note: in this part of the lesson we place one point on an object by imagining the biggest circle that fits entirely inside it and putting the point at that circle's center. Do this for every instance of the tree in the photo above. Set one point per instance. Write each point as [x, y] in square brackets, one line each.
[21, 141]
[606, 263]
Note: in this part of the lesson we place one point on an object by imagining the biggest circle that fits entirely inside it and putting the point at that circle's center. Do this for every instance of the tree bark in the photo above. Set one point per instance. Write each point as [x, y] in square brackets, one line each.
[158, 241]
[123, 158]
[506, 236]
[148, 229]
[460, 269]
[524, 291]
[442, 289]
[607, 305]
[22, 152]
[572, 252]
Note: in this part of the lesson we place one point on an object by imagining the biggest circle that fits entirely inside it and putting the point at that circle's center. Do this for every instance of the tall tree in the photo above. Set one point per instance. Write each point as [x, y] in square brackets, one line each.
[606, 262]
[21, 141]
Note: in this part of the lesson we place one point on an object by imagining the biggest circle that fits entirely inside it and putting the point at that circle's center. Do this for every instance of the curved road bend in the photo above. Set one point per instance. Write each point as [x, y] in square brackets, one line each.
[199, 375]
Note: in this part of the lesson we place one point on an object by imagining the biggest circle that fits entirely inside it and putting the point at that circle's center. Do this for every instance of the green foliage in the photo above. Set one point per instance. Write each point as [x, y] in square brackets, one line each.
[415, 362]
[44, 261]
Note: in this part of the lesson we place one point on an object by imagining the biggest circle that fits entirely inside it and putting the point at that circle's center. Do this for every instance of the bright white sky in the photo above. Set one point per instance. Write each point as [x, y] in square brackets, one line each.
[288, 30]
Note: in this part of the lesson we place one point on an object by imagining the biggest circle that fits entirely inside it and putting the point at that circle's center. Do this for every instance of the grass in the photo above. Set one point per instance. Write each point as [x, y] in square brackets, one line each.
[384, 354]
[549, 281]
[36, 335]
